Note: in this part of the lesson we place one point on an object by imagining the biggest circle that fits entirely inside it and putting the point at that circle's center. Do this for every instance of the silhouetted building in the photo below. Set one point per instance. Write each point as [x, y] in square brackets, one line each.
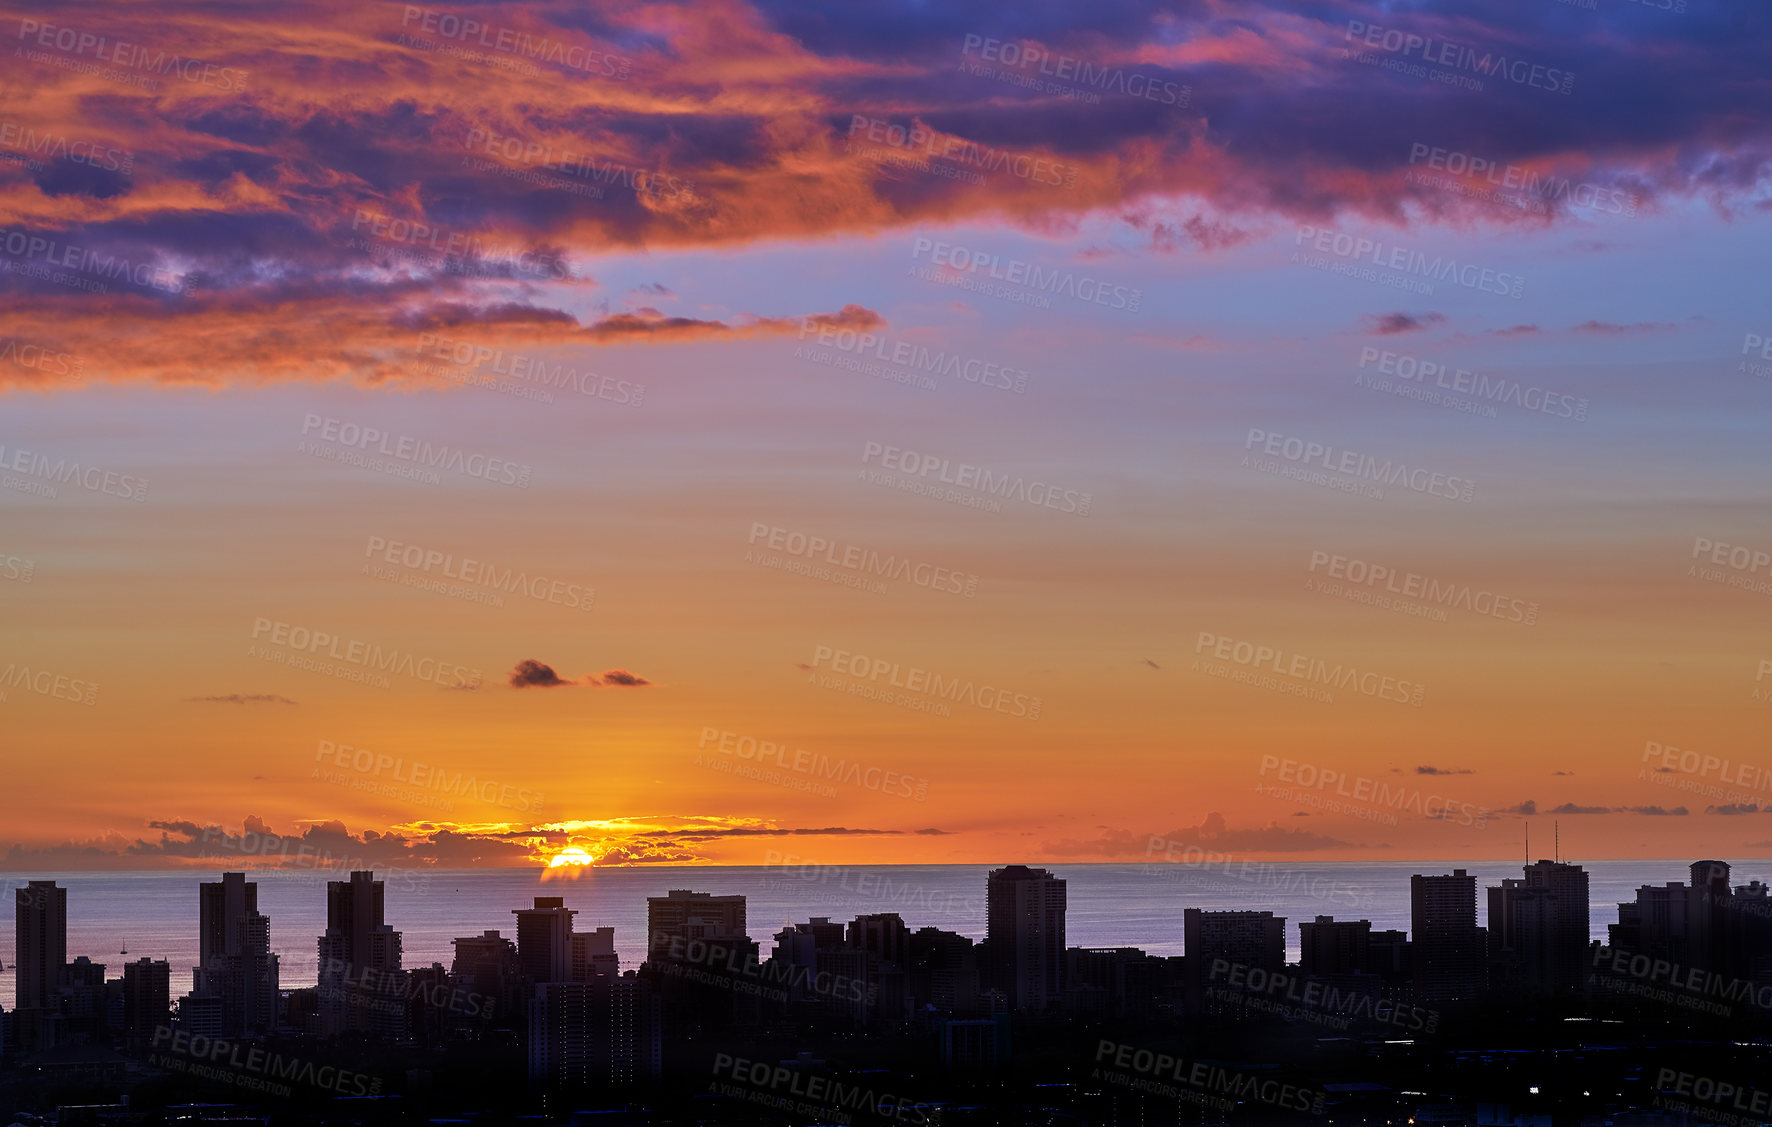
[40, 952]
[593, 955]
[147, 1000]
[1448, 948]
[544, 940]
[1216, 943]
[234, 959]
[681, 915]
[1538, 931]
[1328, 946]
[943, 971]
[361, 987]
[601, 1034]
[1024, 926]
[486, 965]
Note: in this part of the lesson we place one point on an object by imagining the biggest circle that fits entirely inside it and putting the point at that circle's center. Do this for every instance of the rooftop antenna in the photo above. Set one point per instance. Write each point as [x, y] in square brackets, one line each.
[1557, 840]
[1528, 845]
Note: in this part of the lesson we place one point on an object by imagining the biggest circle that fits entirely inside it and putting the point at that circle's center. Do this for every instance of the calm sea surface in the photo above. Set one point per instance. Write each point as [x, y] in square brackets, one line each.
[155, 914]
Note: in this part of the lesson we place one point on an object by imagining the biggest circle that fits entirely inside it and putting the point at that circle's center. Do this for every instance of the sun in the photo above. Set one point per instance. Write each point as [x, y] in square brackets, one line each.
[571, 856]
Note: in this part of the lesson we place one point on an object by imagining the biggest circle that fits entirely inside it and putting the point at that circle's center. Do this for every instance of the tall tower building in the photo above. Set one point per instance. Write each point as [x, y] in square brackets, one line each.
[40, 934]
[360, 982]
[1538, 929]
[544, 940]
[1447, 944]
[235, 962]
[147, 1000]
[1329, 946]
[681, 915]
[593, 955]
[1024, 928]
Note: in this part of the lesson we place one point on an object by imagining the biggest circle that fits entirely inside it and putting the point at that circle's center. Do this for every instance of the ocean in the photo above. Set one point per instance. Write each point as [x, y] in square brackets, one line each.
[154, 914]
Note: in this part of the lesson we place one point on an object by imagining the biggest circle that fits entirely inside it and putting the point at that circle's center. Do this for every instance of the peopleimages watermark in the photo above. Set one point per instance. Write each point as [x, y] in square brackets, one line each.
[1409, 376]
[538, 379]
[350, 659]
[1539, 190]
[34, 149]
[453, 252]
[1761, 343]
[1067, 76]
[41, 475]
[45, 683]
[818, 1099]
[1202, 1081]
[1715, 1101]
[35, 357]
[519, 44]
[1181, 858]
[1362, 256]
[955, 150]
[1312, 784]
[914, 679]
[1347, 471]
[538, 159]
[427, 777]
[1760, 675]
[1014, 279]
[17, 568]
[1373, 584]
[916, 468]
[402, 455]
[252, 1066]
[130, 63]
[859, 562]
[1671, 983]
[35, 256]
[1745, 565]
[1289, 996]
[1306, 669]
[919, 358]
[1431, 51]
[1669, 761]
[799, 761]
[440, 572]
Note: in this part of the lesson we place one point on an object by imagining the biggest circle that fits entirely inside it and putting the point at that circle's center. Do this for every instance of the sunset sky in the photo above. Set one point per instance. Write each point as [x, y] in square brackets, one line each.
[524, 350]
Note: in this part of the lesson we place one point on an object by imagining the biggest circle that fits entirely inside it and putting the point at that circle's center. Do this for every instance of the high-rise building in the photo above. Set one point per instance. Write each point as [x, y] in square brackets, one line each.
[1329, 946]
[1538, 930]
[593, 955]
[1446, 943]
[1024, 927]
[601, 1034]
[147, 1000]
[360, 980]
[235, 961]
[1215, 943]
[681, 915]
[486, 966]
[40, 936]
[943, 971]
[884, 934]
[544, 940]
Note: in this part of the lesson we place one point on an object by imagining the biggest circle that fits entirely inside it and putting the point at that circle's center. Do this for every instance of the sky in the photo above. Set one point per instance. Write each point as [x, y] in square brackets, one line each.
[668, 434]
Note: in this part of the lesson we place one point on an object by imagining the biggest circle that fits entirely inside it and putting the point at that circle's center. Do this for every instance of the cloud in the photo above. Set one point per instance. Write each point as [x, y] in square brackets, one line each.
[1606, 328]
[1444, 771]
[618, 677]
[242, 698]
[1390, 324]
[1526, 808]
[532, 674]
[1529, 808]
[1731, 809]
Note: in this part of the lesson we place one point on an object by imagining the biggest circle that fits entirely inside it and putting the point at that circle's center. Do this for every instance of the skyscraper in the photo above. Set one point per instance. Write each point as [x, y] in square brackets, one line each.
[235, 962]
[1216, 942]
[1329, 946]
[147, 1000]
[1024, 928]
[1538, 929]
[360, 983]
[681, 915]
[40, 934]
[1446, 942]
[544, 940]
[593, 955]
